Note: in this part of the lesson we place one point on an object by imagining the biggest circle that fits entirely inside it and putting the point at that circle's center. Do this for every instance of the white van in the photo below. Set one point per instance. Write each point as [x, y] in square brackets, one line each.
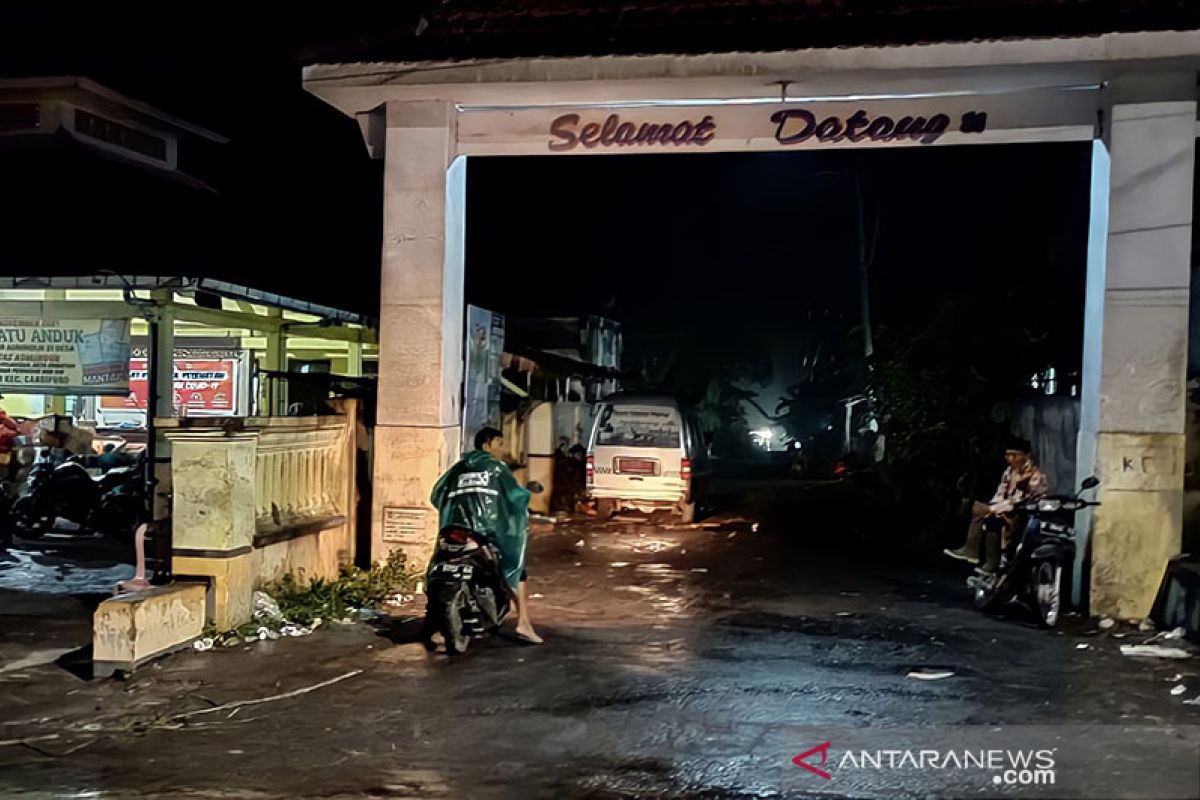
[648, 453]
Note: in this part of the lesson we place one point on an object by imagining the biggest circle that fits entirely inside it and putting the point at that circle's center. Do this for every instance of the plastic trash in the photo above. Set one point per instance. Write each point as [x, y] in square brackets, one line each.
[1195, 701]
[1178, 690]
[265, 608]
[1106, 623]
[1146, 626]
[928, 674]
[1153, 651]
[1081, 646]
[619, 564]
[204, 644]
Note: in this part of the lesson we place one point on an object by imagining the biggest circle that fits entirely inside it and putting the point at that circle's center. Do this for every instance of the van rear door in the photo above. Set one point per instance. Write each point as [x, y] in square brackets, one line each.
[637, 453]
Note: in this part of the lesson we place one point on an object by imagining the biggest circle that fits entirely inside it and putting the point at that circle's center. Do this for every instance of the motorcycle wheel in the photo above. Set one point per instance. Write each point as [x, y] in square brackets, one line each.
[21, 521]
[1047, 594]
[456, 638]
[985, 595]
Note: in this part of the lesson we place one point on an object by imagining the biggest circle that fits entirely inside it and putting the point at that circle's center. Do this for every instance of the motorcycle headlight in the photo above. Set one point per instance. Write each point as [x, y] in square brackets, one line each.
[1049, 505]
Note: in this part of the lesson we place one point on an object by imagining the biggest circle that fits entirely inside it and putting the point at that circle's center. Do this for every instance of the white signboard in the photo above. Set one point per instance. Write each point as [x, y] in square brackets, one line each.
[1043, 115]
[406, 526]
[77, 357]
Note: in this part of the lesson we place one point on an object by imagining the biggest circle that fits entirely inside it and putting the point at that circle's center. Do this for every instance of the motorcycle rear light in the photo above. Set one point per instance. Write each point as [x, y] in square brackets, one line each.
[591, 470]
[685, 469]
[456, 535]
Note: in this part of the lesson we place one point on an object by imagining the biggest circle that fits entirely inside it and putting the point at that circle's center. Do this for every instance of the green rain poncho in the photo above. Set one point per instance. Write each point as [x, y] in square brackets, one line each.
[481, 494]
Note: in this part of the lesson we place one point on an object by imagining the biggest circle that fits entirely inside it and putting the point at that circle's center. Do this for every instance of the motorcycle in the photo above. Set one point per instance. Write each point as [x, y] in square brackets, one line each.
[468, 596]
[1032, 573]
[110, 504]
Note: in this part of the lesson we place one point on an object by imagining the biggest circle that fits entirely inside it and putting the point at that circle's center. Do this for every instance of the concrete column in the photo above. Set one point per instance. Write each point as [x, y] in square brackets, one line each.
[272, 399]
[213, 507]
[163, 351]
[354, 359]
[1135, 347]
[421, 319]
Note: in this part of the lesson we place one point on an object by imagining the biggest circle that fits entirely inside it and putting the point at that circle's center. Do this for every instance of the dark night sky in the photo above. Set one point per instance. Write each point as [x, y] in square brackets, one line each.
[658, 241]
[738, 241]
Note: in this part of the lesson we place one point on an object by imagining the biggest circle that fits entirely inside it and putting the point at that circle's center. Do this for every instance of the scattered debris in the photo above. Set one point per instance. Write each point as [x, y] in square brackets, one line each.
[845, 614]
[1153, 651]
[699, 569]
[1106, 623]
[204, 644]
[28, 740]
[1170, 636]
[269, 699]
[537, 596]
[1178, 690]
[580, 543]
[619, 564]
[928, 674]
[1195, 701]
[1146, 626]
[1082, 646]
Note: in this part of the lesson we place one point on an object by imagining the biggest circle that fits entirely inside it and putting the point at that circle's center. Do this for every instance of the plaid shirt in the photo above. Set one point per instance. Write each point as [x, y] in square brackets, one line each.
[1017, 486]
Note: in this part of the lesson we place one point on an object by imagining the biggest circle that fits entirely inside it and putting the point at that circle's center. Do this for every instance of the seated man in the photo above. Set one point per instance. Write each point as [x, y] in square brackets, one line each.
[992, 523]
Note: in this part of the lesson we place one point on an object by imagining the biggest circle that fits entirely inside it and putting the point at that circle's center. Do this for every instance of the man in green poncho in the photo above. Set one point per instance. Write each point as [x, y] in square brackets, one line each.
[480, 493]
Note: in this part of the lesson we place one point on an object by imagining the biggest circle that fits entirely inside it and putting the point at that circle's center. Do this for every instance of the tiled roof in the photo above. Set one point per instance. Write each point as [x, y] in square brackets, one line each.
[462, 29]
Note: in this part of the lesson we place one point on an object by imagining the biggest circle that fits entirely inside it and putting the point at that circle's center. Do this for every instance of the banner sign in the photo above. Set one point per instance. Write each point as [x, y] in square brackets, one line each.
[1037, 115]
[485, 349]
[201, 386]
[77, 357]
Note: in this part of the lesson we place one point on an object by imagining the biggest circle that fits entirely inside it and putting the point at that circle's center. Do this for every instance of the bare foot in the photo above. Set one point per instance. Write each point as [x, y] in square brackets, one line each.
[526, 633]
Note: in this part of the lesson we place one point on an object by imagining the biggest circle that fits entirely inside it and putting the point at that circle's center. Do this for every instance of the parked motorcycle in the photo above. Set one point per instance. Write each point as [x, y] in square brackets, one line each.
[110, 504]
[467, 594]
[1036, 570]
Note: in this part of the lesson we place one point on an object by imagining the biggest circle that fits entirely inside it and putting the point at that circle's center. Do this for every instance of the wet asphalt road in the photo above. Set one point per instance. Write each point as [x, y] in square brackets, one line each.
[678, 663]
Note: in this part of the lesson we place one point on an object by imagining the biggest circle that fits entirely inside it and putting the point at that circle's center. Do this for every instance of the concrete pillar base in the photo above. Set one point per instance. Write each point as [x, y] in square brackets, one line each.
[408, 462]
[130, 629]
[1137, 529]
[230, 576]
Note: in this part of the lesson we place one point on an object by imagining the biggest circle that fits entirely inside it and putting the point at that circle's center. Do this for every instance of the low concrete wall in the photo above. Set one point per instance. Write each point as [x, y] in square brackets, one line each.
[256, 499]
[130, 629]
[313, 555]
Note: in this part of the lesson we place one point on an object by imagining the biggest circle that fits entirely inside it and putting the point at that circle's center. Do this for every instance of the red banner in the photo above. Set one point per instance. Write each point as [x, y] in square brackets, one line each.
[209, 386]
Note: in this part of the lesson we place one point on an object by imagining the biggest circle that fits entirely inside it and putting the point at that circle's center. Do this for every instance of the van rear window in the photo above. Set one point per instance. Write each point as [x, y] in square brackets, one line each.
[631, 426]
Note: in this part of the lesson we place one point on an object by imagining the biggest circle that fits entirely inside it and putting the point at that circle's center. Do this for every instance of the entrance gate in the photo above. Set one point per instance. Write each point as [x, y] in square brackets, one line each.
[1132, 94]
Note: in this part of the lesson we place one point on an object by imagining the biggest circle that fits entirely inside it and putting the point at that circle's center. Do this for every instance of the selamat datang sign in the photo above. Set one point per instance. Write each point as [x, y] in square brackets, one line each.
[1033, 116]
[78, 357]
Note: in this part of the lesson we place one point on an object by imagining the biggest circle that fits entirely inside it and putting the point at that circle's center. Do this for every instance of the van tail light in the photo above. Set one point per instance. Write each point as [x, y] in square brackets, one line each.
[591, 470]
[685, 469]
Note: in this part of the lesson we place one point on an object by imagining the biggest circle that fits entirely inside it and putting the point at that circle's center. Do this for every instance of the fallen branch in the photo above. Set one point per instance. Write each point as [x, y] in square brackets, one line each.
[27, 740]
[271, 699]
